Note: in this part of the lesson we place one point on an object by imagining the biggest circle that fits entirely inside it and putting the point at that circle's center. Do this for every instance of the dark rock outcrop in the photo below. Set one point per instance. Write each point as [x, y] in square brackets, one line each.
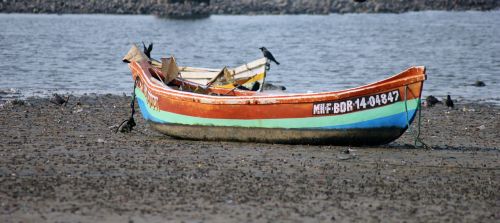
[185, 9]
[399, 6]
[196, 8]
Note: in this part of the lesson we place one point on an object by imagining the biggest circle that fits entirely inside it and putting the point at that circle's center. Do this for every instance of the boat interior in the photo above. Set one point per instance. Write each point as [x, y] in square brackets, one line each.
[238, 81]
[161, 78]
[245, 80]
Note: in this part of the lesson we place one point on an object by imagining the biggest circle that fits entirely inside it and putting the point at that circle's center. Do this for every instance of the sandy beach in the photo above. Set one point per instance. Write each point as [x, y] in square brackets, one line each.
[67, 164]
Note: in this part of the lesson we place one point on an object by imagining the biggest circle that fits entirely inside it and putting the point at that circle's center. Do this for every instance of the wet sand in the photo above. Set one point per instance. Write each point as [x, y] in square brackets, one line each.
[66, 163]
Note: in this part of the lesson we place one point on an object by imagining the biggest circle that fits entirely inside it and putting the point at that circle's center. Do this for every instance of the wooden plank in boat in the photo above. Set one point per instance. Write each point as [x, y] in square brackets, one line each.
[199, 69]
[198, 75]
[252, 65]
[250, 73]
[199, 81]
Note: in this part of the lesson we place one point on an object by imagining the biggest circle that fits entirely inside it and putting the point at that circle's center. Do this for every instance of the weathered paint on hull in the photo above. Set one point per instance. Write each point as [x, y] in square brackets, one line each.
[351, 129]
[393, 115]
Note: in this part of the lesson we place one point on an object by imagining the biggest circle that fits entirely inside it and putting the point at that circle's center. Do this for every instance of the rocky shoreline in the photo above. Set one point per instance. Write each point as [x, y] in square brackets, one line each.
[194, 8]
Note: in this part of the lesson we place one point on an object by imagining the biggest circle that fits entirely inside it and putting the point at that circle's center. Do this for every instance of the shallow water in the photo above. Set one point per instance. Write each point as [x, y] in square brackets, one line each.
[42, 54]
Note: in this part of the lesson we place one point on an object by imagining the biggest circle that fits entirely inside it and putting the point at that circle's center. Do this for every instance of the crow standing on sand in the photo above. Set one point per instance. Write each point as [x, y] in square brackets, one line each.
[148, 50]
[268, 55]
[449, 102]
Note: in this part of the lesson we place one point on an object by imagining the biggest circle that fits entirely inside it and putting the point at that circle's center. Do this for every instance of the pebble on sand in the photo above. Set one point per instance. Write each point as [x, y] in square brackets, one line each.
[479, 84]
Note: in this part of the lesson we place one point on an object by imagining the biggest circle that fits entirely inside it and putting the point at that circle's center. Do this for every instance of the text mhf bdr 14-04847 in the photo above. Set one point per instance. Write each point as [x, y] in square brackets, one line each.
[356, 104]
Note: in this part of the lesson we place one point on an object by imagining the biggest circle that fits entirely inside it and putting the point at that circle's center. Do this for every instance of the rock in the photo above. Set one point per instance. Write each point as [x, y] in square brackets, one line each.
[431, 101]
[203, 8]
[479, 84]
[59, 100]
[186, 10]
[464, 109]
[346, 157]
[270, 86]
[17, 102]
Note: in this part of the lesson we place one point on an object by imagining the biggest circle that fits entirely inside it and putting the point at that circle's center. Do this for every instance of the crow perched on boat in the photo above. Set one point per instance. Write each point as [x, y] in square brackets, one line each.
[449, 102]
[148, 50]
[256, 86]
[268, 55]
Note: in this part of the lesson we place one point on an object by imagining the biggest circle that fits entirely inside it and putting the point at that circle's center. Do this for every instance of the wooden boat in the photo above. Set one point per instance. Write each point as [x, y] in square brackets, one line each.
[250, 76]
[373, 114]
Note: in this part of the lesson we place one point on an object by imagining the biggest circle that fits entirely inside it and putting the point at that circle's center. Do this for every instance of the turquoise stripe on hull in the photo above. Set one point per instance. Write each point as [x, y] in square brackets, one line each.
[393, 115]
[397, 120]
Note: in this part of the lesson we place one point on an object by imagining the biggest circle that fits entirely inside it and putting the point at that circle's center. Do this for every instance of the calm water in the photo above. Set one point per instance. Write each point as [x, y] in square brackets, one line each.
[42, 54]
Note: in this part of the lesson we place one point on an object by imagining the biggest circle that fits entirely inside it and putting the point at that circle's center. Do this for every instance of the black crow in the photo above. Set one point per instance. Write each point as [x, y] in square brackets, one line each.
[148, 50]
[268, 55]
[256, 86]
[449, 102]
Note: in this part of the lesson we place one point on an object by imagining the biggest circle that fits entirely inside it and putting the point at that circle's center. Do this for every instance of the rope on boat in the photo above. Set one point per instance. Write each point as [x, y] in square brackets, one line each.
[127, 125]
[418, 142]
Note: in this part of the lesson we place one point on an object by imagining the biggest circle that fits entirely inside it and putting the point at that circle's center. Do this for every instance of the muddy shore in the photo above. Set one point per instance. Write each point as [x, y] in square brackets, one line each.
[66, 163]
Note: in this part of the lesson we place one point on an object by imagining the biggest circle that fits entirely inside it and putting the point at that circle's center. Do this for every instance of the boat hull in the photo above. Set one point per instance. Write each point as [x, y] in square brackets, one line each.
[373, 114]
[355, 129]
